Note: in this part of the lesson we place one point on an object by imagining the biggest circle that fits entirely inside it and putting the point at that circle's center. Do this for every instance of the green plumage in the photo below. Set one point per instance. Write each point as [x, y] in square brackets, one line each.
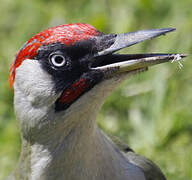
[150, 169]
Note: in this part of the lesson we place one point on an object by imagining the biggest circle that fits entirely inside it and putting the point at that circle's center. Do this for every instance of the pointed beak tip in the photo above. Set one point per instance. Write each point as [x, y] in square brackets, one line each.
[161, 31]
[185, 55]
[164, 31]
[171, 29]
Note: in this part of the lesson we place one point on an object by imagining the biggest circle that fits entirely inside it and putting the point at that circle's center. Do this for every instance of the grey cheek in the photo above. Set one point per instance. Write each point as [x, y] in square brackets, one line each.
[35, 83]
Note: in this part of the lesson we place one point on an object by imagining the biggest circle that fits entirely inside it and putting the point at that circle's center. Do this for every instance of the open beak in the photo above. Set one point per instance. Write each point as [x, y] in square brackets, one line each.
[111, 63]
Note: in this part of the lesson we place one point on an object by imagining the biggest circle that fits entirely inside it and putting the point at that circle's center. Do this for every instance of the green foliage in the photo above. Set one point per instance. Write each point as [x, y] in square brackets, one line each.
[150, 111]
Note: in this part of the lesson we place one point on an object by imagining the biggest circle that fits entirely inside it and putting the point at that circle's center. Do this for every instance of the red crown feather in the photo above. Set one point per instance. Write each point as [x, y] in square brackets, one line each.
[66, 34]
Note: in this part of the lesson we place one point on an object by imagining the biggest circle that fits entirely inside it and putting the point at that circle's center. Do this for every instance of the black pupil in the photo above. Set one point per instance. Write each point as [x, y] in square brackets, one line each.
[59, 59]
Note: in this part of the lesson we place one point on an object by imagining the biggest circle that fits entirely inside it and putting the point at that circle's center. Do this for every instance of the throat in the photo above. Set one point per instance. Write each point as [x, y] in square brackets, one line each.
[68, 144]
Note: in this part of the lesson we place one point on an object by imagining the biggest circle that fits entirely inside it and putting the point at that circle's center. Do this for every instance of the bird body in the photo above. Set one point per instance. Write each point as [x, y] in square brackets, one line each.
[61, 78]
[58, 138]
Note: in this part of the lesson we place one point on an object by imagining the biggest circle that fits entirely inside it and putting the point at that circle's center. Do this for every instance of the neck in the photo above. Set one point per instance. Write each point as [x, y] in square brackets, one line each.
[68, 145]
[83, 151]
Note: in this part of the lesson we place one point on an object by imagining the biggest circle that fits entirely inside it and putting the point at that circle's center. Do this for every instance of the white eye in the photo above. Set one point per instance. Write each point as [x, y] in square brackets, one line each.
[58, 60]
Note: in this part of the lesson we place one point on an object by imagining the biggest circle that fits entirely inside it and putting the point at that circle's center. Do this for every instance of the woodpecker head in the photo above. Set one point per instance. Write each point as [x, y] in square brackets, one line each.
[60, 66]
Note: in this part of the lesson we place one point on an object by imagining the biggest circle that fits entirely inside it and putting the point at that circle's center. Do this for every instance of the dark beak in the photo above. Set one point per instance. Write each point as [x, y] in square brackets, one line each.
[106, 59]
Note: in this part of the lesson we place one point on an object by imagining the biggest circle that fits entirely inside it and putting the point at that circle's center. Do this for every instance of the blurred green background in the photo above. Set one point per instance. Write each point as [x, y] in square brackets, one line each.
[152, 112]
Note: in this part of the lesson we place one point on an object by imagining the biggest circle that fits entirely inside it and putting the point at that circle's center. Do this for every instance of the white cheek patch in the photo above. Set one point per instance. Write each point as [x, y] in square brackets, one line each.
[178, 58]
[31, 99]
[35, 83]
